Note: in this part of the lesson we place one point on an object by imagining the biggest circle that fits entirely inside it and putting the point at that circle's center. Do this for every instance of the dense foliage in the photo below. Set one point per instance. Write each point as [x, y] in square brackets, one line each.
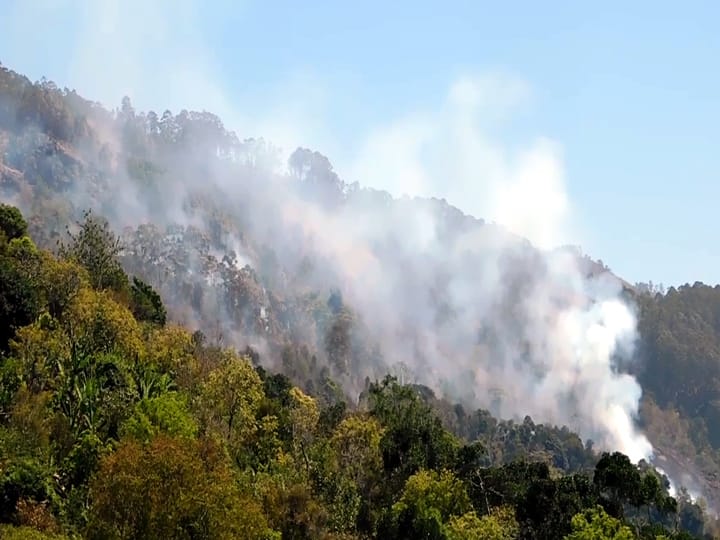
[679, 369]
[124, 410]
[117, 425]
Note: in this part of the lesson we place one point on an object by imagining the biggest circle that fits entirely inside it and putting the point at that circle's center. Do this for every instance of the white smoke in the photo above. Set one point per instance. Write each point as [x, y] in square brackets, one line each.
[572, 327]
[552, 333]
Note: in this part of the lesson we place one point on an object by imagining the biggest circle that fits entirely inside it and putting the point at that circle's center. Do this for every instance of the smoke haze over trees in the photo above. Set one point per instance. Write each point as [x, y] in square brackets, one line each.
[335, 285]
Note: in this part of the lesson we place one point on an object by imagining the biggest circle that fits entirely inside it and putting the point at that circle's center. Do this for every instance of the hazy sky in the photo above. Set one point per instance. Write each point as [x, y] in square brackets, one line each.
[619, 105]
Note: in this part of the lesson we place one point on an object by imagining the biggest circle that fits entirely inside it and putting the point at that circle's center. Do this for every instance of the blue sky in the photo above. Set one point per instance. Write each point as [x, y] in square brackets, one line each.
[616, 108]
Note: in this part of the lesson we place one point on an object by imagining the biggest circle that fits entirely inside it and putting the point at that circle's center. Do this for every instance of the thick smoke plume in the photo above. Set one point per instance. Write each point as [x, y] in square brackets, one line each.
[465, 307]
[469, 308]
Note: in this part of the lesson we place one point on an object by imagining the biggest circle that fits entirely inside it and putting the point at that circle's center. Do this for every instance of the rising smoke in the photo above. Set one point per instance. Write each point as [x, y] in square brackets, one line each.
[469, 308]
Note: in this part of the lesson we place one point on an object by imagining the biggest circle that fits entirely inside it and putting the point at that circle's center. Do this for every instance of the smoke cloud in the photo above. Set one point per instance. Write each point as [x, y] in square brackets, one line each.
[469, 308]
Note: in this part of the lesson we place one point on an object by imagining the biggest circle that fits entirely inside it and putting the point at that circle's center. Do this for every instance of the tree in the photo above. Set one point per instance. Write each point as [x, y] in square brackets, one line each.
[171, 350]
[96, 323]
[19, 299]
[12, 223]
[61, 280]
[23, 479]
[229, 401]
[146, 304]
[596, 524]
[338, 341]
[291, 506]
[166, 414]
[500, 524]
[304, 416]
[549, 504]
[41, 352]
[428, 502]
[618, 482]
[20, 263]
[414, 437]
[356, 442]
[97, 249]
[316, 176]
[170, 488]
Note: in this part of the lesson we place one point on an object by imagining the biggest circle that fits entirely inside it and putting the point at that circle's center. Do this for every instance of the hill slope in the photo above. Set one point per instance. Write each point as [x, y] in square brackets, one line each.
[325, 280]
[115, 424]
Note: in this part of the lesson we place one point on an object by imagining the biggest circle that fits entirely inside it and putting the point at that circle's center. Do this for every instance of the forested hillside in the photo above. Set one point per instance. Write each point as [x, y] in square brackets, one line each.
[196, 342]
[118, 425]
[680, 374]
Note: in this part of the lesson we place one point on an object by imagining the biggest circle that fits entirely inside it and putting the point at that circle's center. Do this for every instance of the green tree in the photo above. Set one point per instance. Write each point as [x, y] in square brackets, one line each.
[12, 222]
[414, 437]
[61, 281]
[167, 413]
[171, 350]
[97, 249]
[596, 524]
[356, 442]
[338, 341]
[428, 502]
[229, 402]
[618, 482]
[304, 416]
[19, 299]
[549, 504]
[24, 479]
[146, 304]
[20, 263]
[291, 506]
[500, 524]
[96, 323]
[170, 489]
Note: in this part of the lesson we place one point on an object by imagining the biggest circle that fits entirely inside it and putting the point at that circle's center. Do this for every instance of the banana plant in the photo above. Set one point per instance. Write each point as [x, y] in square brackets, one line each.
[149, 383]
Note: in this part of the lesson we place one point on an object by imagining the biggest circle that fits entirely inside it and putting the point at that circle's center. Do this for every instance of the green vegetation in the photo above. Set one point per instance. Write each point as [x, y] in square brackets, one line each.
[679, 369]
[117, 426]
[124, 412]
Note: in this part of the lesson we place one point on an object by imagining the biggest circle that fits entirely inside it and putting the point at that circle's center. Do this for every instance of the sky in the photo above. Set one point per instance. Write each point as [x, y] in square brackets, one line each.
[602, 120]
